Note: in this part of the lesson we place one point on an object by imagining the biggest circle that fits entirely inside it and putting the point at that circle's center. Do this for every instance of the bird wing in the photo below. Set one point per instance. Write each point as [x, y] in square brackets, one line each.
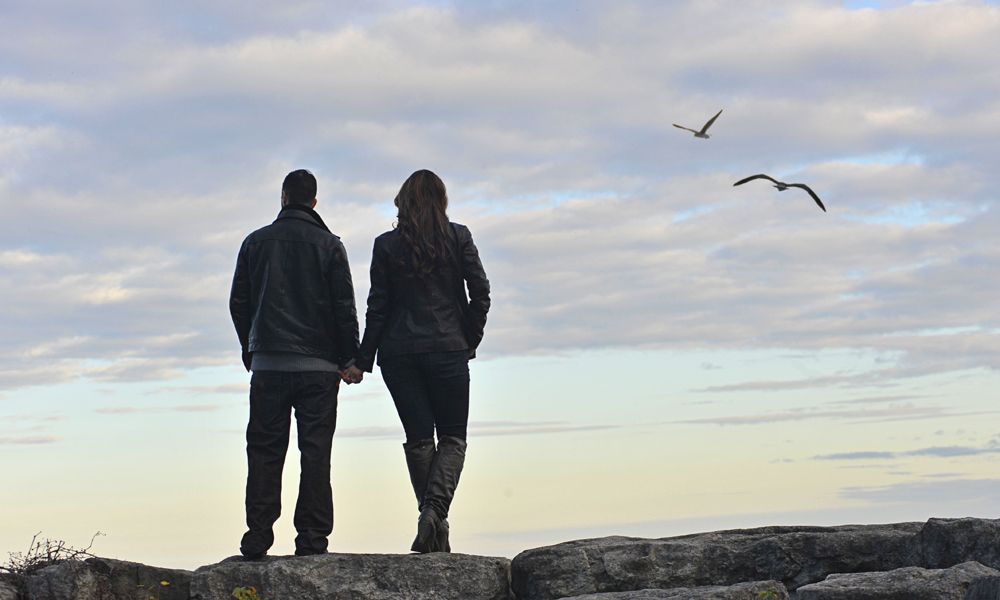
[710, 121]
[757, 176]
[684, 128]
[811, 193]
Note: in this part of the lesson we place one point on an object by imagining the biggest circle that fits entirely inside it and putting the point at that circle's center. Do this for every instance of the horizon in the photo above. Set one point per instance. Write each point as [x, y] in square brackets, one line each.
[666, 353]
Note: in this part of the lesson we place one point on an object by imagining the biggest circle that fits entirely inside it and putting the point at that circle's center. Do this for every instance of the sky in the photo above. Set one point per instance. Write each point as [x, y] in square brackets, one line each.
[665, 354]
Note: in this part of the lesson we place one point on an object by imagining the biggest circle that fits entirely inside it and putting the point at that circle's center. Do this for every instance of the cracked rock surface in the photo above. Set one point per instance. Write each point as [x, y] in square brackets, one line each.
[359, 577]
[795, 556]
[907, 583]
[755, 590]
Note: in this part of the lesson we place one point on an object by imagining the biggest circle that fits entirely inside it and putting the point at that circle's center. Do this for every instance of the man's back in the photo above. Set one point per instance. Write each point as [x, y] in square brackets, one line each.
[292, 291]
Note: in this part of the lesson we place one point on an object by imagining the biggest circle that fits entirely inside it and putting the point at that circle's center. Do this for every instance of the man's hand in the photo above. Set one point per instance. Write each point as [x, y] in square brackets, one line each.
[352, 374]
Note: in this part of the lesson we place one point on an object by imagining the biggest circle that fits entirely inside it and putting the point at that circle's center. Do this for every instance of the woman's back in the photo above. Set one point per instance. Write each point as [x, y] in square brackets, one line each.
[425, 312]
[413, 310]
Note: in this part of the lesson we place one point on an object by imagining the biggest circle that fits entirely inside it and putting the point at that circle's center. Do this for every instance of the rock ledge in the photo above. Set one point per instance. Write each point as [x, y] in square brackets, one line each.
[943, 559]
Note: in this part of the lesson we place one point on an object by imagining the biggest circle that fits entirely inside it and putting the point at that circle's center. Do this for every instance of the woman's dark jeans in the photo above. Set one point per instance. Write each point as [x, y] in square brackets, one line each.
[430, 390]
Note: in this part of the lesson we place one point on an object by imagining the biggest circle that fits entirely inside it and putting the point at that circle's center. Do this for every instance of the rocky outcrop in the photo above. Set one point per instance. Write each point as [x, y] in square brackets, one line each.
[756, 590]
[8, 591]
[793, 555]
[107, 579]
[987, 588]
[947, 542]
[358, 577]
[796, 556]
[908, 583]
[941, 559]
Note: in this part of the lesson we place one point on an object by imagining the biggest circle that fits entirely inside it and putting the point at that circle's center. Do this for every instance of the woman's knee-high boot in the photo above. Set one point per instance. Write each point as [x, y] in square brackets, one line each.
[419, 461]
[441, 486]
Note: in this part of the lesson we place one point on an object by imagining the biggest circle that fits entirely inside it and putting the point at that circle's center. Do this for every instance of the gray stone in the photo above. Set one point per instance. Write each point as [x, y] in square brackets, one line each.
[8, 591]
[754, 590]
[107, 579]
[908, 583]
[947, 542]
[985, 588]
[793, 555]
[358, 577]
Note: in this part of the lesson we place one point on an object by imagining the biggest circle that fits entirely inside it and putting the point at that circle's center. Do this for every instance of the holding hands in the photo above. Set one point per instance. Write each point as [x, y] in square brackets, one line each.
[352, 374]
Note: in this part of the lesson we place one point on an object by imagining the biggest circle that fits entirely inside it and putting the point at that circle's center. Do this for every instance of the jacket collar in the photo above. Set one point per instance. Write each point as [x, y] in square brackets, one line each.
[302, 213]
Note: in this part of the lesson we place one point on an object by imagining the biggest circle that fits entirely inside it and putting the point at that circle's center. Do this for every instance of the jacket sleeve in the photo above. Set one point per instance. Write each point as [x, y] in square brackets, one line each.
[239, 303]
[345, 315]
[479, 290]
[378, 308]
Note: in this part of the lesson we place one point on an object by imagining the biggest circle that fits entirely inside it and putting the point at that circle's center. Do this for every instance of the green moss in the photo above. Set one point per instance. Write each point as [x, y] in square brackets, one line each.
[246, 593]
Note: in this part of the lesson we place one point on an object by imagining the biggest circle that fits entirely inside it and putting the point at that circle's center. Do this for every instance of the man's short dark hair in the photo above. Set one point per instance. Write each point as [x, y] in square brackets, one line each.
[299, 187]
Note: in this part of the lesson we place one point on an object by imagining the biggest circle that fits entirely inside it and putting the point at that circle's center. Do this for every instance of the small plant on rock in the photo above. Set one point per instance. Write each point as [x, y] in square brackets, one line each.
[44, 552]
[41, 553]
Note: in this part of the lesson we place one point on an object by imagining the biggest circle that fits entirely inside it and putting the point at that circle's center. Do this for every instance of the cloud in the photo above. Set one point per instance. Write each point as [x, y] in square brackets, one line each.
[931, 451]
[856, 456]
[30, 373]
[494, 428]
[879, 399]
[19, 143]
[481, 429]
[599, 225]
[183, 408]
[952, 451]
[30, 440]
[950, 493]
[373, 432]
[890, 413]
[792, 384]
[241, 389]
[29, 429]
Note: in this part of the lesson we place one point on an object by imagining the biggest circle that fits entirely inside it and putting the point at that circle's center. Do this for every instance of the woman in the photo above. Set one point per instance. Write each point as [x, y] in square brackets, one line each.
[425, 330]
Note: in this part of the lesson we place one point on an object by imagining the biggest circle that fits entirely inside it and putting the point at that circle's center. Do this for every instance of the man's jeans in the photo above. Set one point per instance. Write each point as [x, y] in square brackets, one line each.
[273, 394]
[430, 391]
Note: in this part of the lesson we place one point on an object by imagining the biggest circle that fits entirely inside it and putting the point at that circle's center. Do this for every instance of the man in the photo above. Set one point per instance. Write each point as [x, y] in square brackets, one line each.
[292, 303]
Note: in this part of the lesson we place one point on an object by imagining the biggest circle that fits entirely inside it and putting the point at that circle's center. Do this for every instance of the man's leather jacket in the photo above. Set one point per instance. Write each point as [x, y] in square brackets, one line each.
[410, 313]
[292, 290]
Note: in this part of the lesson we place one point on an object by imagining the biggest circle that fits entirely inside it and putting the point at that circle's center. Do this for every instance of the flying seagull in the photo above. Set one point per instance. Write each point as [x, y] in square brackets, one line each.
[782, 186]
[703, 133]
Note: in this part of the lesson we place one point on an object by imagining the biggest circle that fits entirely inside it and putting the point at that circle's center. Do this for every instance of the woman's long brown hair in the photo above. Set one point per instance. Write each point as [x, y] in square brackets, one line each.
[422, 219]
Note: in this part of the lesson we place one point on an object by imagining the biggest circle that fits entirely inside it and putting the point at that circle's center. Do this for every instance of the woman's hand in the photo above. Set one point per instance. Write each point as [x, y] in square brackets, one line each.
[352, 374]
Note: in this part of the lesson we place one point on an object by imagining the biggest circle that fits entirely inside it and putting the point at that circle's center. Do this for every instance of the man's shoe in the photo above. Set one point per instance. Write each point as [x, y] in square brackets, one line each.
[301, 552]
[255, 544]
